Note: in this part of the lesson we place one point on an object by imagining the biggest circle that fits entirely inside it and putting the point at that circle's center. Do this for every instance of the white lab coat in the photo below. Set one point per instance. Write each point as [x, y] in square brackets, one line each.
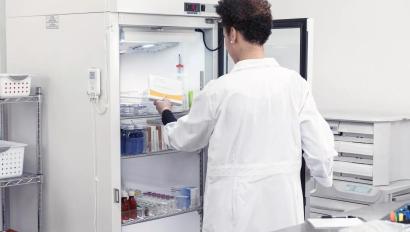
[256, 119]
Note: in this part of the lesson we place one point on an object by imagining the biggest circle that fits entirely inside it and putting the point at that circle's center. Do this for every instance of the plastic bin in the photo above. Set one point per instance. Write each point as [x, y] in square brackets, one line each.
[12, 85]
[144, 107]
[127, 110]
[11, 159]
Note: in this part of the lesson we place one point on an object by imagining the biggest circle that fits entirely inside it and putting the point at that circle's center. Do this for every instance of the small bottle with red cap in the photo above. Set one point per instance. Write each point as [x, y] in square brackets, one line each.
[181, 76]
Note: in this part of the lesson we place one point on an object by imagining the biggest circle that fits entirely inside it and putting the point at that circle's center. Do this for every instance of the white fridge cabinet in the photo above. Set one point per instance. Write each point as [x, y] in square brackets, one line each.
[59, 7]
[58, 42]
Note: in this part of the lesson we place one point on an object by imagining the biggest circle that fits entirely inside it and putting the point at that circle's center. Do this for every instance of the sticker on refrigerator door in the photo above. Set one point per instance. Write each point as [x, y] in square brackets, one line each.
[52, 22]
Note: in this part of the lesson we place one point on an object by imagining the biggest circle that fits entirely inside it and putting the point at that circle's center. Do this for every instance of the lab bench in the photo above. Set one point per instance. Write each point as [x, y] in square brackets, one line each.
[368, 213]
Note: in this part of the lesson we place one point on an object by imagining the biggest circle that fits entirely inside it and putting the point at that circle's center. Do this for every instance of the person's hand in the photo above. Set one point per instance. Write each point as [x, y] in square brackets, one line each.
[162, 105]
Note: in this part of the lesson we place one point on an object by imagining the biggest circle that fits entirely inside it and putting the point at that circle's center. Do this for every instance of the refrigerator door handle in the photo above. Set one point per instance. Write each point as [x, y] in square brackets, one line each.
[201, 80]
[116, 195]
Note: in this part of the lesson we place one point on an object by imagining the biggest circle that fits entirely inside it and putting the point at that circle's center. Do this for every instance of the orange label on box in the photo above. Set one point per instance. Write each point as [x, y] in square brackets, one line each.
[167, 96]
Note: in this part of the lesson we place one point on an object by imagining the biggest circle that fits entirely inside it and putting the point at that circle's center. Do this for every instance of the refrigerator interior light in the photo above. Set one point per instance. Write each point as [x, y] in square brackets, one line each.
[148, 45]
[138, 47]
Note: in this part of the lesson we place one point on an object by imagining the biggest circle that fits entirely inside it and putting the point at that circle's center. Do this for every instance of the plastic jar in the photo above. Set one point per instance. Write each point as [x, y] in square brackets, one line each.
[182, 202]
[134, 140]
[123, 138]
[140, 139]
[127, 110]
[140, 109]
[130, 145]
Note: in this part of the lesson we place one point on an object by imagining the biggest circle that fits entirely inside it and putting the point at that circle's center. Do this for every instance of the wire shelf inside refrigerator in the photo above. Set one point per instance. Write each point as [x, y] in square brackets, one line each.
[165, 152]
[157, 217]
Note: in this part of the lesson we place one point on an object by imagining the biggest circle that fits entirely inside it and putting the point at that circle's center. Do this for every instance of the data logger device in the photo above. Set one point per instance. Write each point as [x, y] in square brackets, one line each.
[94, 83]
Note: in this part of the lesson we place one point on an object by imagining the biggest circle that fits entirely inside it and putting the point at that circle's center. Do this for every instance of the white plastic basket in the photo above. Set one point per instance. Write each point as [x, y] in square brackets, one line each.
[11, 159]
[13, 85]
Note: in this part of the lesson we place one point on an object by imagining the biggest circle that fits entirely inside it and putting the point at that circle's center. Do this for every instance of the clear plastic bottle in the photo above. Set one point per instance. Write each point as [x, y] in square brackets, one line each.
[163, 205]
[181, 76]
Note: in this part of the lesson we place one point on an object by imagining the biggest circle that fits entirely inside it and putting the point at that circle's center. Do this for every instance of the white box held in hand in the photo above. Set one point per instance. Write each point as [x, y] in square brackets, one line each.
[162, 87]
[14, 85]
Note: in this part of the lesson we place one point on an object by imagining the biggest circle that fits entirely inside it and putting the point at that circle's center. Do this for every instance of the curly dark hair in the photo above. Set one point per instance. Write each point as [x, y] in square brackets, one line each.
[252, 18]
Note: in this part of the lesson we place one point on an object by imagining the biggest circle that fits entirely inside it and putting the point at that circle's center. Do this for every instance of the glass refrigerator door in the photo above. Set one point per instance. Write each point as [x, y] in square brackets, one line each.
[288, 44]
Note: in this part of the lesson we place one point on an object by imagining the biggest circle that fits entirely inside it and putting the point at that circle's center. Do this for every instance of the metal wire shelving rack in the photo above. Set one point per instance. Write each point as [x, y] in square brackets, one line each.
[26, 178]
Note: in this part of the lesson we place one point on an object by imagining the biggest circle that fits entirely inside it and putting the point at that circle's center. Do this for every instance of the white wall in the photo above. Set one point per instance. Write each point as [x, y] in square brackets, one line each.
[2, 36]
[361, 55]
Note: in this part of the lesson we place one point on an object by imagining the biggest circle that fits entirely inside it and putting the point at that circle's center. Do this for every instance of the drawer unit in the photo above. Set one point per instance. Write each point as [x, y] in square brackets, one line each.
[349, 168]
[354, 148]
[338, 127]
[366, 128]
[371, 166]
[371, 151]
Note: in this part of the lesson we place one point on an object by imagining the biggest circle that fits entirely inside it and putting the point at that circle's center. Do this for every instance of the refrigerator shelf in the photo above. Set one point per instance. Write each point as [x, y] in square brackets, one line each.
[26, 178]
[153, 116]
[166, 152]
[152, 218]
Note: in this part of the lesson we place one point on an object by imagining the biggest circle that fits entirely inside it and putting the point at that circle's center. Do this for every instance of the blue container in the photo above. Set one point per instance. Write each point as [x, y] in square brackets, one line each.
[134, 140]
[182, 202]
[123, 139]
[140, 140]
[184, 194]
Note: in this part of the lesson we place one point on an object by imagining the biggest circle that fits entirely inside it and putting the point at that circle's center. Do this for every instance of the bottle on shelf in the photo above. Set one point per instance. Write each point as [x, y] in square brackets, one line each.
[181, 76]
[156, 204]
[132, 205]
[125, 206]
[123, 138]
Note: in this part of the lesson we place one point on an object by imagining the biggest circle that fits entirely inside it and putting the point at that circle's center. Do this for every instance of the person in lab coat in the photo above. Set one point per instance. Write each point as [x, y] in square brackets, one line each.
[256, 120]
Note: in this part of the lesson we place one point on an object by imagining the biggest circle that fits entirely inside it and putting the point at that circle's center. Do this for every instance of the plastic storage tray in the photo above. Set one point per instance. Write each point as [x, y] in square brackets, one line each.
[14, 85]
[137, 106]
[11, 159]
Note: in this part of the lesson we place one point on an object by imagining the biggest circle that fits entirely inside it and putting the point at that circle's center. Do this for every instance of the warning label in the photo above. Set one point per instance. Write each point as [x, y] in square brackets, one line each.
[52, 22]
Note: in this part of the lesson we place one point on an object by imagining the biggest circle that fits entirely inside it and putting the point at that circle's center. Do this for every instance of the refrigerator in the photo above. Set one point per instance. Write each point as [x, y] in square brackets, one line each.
[75, 49]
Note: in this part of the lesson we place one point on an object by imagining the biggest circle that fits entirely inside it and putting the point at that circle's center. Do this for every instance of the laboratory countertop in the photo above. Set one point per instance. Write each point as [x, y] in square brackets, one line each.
[368, 213]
